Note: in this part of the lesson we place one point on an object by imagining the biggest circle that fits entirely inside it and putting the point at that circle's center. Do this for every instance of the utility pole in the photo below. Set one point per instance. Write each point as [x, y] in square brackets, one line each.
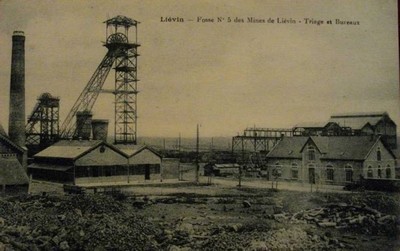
[179, 158]
[240, 166]
[197, 155]
[164, 144]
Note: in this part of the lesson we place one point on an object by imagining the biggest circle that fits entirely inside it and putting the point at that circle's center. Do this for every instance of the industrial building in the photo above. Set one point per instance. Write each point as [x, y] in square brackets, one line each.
[371, 123]
[13, 153]
[332, 160]
[321, 129]
[95, 161]
[77, 152]
[353, 124]
[13, 177]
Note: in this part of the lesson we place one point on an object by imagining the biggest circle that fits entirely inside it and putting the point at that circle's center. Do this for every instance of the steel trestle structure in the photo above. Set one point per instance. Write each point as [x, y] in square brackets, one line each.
[42, 128]
[258, 139]
[123, 55]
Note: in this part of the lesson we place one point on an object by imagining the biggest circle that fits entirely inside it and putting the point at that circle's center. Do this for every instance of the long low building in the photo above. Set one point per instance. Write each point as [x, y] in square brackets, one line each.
[93, 161]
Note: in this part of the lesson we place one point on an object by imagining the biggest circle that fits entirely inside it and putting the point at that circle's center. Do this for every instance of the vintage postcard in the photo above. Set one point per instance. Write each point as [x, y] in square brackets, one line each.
[199, 125]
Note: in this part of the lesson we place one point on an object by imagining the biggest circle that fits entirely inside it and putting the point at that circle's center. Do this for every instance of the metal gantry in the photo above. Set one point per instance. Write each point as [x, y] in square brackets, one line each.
[122, 53]
[42, 128]
[259, 139]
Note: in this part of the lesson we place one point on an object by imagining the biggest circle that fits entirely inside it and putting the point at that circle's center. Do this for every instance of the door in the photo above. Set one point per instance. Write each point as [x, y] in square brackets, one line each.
[311, 175]
[147, 172]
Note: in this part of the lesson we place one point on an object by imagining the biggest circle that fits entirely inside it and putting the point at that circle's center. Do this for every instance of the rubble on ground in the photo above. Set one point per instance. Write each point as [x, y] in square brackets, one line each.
[73, 223]
[341, 215]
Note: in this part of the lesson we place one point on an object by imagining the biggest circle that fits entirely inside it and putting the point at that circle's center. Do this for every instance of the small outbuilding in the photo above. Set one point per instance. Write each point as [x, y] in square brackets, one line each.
[13, 177]
[221, 169]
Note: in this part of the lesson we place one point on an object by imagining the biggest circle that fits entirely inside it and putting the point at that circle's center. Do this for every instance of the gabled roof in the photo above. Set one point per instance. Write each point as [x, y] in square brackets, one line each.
[288, 147]
[71, 149]
[358, 120]
[344, 147]
[356, 123]
[12, 173]
[131, 150]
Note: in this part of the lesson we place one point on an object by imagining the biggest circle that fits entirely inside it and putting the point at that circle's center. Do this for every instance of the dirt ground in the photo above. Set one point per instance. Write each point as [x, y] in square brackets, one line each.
[189, 216]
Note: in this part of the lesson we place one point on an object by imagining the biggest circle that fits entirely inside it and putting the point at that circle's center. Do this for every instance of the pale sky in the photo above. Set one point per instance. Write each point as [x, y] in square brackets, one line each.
[224, 76]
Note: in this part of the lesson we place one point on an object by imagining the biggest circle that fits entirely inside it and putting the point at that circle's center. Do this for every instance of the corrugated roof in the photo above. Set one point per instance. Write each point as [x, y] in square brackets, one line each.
[288, 147]
[68, 149]
[346, 147]
[12, 173]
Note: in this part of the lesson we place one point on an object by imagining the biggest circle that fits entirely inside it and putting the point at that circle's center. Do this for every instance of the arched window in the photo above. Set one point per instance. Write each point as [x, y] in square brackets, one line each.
[379, 172]
[349, 173]
[329, 172]
[378, 154]
[311, 153]
[370, 173]
[295, 171]
[388, 172]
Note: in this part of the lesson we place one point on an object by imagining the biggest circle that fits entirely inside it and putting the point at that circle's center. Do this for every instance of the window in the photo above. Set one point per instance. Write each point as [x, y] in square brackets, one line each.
[102, 149]
[378, 154]
[295, 171]
[388, 172]
[277, 171]
[329, 173]
[311, 153]
[379, 172]
[370, 174]
[349, 173]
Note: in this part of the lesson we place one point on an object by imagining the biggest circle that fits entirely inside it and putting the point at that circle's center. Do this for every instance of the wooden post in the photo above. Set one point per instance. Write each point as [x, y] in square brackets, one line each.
[179, 159]
[128, 171]
[197, 155]
[30, 183]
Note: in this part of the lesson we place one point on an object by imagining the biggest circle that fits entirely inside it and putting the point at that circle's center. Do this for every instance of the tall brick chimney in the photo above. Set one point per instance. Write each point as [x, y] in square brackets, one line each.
[16, 122]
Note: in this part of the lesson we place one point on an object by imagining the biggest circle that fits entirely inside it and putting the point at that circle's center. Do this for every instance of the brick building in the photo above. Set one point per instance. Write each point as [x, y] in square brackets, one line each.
[332, 160]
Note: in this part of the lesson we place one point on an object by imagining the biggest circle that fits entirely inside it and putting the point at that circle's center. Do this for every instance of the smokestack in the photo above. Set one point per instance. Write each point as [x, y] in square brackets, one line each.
[16, 122]
[100, 129]
[83, 125]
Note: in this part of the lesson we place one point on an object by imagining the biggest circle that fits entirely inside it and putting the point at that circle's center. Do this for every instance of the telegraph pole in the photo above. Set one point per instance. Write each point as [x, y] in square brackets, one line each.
[197, 155]
[179, 158]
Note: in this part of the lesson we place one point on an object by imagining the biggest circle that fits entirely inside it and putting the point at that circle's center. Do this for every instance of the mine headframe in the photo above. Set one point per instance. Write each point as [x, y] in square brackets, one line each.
[122, 53]
[42, 128]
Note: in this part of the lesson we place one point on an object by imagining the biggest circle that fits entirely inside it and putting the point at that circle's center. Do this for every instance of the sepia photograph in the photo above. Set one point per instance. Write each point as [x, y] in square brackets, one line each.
[199, 125]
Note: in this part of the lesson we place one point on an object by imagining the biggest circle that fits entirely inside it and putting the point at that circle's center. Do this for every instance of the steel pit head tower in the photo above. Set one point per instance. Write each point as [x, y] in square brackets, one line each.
[125, 77]
[122, 46]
